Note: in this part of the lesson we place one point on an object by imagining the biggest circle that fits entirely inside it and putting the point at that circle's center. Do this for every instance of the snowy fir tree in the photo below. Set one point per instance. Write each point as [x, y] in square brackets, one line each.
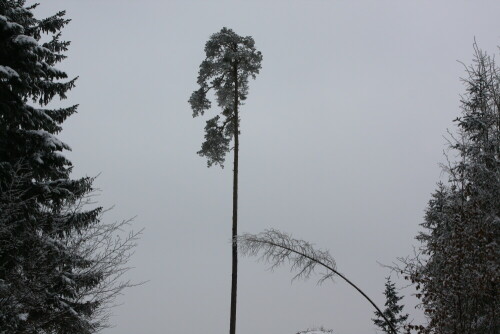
[49, 277]
[458, 272]
[230, 61]
[393, 310]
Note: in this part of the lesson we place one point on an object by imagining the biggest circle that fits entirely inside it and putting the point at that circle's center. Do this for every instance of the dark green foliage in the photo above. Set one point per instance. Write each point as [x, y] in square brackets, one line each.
[230, 61]
[42, 278]
[392, 310]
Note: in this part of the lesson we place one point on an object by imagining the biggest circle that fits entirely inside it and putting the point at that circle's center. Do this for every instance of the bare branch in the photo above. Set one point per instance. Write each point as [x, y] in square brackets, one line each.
[276, 248]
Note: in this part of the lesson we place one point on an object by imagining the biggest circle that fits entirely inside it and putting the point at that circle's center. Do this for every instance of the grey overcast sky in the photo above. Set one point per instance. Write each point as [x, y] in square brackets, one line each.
[342, 134]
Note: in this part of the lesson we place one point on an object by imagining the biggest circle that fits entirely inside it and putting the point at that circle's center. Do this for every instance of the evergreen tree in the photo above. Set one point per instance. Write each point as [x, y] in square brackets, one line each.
[230, 61]
[392, 310]
[49, 278]
[458, 277]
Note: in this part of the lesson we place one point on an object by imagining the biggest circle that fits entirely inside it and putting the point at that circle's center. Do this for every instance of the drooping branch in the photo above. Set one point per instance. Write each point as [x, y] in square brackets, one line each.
[276, 248]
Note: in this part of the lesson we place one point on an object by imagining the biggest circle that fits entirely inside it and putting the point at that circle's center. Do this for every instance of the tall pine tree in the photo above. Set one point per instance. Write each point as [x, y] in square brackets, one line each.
[230, 61]
[44, 280]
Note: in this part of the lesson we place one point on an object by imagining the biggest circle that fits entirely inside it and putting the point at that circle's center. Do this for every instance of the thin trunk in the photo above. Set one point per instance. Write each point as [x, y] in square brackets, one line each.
[234, 276]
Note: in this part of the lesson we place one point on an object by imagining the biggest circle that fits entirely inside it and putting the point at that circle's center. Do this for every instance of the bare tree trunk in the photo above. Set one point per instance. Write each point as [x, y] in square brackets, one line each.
[234, 276]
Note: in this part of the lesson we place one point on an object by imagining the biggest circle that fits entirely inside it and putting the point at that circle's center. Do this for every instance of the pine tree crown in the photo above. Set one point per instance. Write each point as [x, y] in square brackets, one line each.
[230, 61]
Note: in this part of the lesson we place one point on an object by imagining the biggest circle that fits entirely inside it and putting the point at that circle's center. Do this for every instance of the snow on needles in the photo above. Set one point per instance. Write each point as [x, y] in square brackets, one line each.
[50, 140]
[25, 40]
[8, 72]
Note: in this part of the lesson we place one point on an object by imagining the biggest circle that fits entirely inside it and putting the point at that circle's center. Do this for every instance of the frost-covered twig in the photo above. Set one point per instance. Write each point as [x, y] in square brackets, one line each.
[276, 248]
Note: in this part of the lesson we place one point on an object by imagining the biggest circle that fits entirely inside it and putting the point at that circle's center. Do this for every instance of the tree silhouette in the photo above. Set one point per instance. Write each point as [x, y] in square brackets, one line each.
[392, 310]
[230, 61]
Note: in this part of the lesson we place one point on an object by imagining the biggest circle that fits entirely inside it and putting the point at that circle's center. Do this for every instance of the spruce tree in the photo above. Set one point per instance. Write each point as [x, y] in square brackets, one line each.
[44, 280]
[230, 61]
[458, 274]
[392, 311]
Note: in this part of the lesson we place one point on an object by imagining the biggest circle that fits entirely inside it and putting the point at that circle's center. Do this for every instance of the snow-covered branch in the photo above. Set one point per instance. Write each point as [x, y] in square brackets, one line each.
[277, 248]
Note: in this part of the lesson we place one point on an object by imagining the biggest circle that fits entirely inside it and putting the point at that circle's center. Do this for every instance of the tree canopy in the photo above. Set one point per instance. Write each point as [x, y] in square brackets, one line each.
[230, 61]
